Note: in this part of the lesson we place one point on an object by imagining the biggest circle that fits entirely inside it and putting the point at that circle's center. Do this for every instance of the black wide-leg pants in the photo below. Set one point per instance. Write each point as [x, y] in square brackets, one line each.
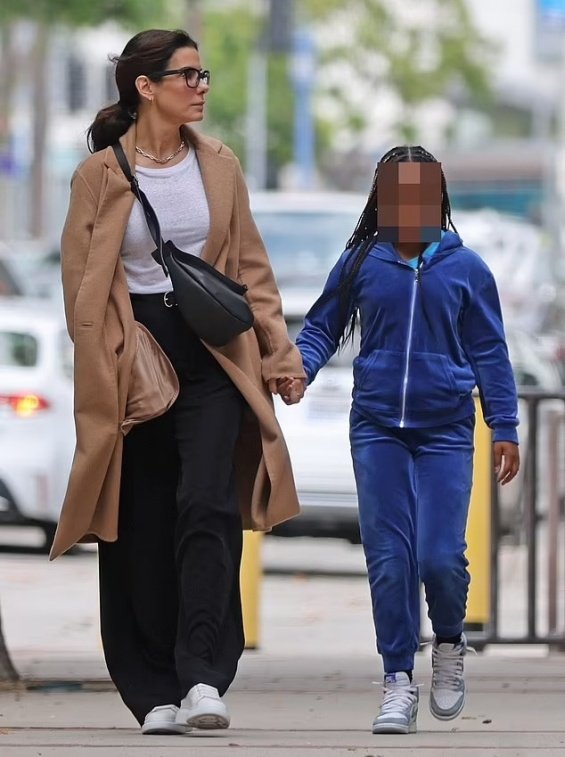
[169, 586]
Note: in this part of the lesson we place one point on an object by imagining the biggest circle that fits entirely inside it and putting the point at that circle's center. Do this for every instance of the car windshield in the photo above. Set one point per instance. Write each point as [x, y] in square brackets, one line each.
[304, 245]
[30, 272]
[18, 349]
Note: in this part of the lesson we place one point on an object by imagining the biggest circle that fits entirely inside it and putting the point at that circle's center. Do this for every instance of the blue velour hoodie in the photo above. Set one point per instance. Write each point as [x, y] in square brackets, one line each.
[428, 336]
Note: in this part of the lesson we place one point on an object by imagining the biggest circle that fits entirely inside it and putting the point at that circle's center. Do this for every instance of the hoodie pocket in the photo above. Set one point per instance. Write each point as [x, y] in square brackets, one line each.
[431, 383]
[379, 382]
[378, 379]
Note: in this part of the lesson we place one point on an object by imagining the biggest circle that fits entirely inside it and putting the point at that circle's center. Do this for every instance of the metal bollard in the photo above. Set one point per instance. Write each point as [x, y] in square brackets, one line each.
[250, 584]
[555, 421]
[478, 529]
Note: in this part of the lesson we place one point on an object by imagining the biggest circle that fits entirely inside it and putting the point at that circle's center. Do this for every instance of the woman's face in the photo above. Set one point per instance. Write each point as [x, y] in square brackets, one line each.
[409, 202]
[171, 97]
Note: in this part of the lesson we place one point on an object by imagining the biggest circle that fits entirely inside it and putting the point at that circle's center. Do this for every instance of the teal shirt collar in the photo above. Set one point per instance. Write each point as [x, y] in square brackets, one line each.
[430, 250]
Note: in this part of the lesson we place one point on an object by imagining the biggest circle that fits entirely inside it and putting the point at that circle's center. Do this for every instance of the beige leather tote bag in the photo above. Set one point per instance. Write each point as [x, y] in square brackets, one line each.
[153, 385]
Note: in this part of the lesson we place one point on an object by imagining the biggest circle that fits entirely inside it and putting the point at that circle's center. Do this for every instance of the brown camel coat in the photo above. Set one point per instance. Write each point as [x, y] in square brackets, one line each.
[101, 324]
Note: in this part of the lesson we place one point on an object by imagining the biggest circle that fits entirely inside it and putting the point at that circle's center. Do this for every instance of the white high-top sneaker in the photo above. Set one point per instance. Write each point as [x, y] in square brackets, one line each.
[400, 705]
[447, 695]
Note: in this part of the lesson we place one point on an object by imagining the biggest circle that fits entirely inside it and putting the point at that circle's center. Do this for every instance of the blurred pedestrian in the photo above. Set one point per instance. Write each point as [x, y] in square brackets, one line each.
[431, 329]
[166, 503]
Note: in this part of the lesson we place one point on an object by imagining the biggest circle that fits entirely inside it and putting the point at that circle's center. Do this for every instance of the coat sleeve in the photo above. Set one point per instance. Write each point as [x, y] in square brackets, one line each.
[485, 345]
[75, 243]
[280, 357]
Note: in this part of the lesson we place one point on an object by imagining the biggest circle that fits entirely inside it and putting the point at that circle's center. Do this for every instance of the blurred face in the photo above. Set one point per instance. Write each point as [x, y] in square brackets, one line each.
[409, 202]
[179, 96]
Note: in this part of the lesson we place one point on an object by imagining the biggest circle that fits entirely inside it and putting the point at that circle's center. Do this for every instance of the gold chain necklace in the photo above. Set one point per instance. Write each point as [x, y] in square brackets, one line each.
[160, 160]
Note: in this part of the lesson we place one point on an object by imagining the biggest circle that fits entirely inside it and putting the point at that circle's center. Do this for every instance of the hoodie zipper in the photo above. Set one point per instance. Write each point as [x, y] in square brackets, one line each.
[409, 347]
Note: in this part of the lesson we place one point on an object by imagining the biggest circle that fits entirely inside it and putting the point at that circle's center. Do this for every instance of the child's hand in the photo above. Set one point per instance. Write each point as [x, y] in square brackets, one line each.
[290, 389]
[293, 392]
[506, 461]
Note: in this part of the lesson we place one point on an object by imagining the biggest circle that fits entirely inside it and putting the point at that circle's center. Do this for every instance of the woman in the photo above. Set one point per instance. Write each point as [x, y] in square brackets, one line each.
[431, 329]
[166, 503]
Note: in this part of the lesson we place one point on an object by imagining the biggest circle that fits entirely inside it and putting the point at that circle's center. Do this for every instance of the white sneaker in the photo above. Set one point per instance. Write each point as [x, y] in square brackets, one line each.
[162, 719]
[447, 695]
[203, 708]
[400, 706]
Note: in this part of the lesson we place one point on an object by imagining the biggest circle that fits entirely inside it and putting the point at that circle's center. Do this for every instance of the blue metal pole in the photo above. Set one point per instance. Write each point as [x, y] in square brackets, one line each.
[304, 134]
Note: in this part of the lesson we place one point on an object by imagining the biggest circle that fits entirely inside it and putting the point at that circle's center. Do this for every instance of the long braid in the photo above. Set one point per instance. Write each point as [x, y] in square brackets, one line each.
[362, 239]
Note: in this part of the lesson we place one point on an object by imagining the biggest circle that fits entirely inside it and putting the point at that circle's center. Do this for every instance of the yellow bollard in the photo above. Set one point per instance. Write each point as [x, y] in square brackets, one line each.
[250, 583]
[478, 527]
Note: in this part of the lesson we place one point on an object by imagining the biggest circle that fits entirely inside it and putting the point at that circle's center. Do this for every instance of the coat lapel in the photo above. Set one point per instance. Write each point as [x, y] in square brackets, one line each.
[113, 212]
[218, 177]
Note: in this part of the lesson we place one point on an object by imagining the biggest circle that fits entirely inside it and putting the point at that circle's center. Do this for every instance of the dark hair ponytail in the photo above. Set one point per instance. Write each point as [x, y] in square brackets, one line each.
[146, 54]
[108, 126]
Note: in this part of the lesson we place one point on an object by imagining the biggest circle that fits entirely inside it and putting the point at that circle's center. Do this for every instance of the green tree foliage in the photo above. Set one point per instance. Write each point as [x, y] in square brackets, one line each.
[84, 12]
[418, 49]
[280, 111]
[230, 34]
[45, 14]
[229, 37]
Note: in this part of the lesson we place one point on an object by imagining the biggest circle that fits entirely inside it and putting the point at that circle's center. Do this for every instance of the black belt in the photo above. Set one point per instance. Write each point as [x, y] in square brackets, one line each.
[168, 299]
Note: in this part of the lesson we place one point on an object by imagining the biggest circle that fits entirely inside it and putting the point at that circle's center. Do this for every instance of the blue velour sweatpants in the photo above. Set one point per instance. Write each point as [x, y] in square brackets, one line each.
[413, 487]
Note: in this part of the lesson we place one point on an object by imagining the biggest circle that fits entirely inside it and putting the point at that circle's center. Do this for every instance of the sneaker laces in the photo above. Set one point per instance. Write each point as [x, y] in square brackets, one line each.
[447, 665]
[396, 697]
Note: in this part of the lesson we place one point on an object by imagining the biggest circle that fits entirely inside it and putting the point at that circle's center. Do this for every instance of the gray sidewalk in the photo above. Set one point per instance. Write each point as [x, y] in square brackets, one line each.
[307, 691]
[304, 706]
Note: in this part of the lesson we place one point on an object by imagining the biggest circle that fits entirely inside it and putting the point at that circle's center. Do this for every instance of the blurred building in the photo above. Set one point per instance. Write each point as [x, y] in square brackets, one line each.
[78, 81]
[504, 158]
[507, 160]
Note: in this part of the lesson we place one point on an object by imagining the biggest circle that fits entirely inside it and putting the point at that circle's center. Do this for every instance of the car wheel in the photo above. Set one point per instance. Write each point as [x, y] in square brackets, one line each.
[49, 534]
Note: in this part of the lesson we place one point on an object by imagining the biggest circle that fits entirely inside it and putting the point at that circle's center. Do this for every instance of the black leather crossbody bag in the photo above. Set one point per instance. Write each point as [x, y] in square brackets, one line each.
[213, 305]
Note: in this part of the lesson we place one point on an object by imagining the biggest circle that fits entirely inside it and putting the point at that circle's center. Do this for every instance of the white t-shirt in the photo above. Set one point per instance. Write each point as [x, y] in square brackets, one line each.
[179, 200]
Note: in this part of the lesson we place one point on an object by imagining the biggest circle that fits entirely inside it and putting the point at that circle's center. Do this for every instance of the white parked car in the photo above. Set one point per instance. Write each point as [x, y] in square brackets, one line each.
[36, 412]
[305, 233]
[30, 268]
[317, 434]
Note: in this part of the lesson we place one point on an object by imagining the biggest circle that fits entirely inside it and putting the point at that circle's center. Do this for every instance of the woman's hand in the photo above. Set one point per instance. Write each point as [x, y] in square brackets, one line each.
[290, 389]
[506, 461]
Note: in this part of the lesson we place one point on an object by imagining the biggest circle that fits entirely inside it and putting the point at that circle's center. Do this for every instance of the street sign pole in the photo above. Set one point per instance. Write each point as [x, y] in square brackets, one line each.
[551, 29]
[303, 81]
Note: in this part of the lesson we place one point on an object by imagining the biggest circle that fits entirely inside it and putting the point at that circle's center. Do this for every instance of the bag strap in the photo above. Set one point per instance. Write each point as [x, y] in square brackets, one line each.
[150, 215]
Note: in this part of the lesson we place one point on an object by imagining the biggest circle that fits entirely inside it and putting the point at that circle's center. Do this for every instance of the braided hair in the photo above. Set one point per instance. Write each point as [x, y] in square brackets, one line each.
[365, 231]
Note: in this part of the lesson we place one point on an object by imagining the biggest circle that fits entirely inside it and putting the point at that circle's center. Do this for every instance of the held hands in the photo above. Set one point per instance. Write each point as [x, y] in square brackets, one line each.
[506, 461]
[290, 389]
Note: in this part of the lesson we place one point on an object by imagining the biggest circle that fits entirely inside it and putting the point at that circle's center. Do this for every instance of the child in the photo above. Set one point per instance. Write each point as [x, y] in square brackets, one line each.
[431, 329]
